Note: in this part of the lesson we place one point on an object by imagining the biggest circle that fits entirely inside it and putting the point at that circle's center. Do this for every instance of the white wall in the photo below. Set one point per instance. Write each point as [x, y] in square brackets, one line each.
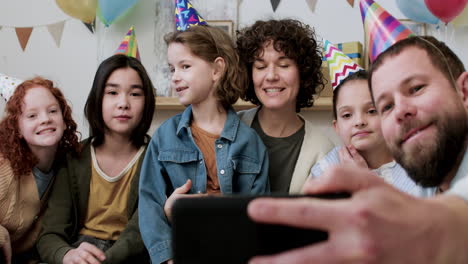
[73, 64]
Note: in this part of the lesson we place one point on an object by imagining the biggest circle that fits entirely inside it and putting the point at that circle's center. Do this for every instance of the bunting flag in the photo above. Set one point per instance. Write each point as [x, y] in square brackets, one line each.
[340, 66]
[56, 30]
[381, 29]
[129, 45]
[23, 34]
[8, 85]
[351, 2]
[275, 4]
[311, 4]
[91, 26]
[186, 15]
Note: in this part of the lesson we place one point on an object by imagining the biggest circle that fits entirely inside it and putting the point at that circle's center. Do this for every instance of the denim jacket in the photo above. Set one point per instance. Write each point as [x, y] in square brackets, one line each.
[173, 157]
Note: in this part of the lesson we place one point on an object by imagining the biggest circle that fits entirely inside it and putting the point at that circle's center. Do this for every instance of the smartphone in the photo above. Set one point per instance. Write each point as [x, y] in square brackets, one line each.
[217, 229]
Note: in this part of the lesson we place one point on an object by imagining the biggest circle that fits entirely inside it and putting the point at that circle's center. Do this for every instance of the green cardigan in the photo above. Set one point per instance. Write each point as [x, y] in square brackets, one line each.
[66, 213]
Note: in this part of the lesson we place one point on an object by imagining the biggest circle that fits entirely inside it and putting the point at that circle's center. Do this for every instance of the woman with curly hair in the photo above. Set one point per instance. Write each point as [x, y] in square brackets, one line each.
[283, 61]
[37, 130]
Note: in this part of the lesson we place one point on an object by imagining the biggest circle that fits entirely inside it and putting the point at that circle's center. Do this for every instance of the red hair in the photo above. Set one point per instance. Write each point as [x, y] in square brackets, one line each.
[13, 147]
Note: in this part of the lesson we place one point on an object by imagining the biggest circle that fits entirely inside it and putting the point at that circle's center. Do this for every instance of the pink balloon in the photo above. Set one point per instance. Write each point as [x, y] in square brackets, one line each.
[446, 10]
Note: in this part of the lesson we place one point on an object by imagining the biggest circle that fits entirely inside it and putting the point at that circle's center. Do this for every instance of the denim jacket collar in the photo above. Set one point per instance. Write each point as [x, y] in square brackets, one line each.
[230, 127]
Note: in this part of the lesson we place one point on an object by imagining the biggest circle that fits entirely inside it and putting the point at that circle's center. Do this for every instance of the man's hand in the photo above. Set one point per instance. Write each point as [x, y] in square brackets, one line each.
[85, 254]
[378, 224]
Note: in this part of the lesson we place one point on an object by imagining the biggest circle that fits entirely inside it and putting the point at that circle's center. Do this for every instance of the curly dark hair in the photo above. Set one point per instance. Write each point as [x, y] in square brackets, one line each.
[298, 42]
[14, 148]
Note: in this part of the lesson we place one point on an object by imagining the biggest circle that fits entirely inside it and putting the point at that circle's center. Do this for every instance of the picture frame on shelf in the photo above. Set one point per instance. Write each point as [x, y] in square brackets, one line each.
[226, 25]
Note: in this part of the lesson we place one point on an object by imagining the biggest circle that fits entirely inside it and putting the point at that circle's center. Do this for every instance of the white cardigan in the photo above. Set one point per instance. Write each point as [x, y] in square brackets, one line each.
[314, 147]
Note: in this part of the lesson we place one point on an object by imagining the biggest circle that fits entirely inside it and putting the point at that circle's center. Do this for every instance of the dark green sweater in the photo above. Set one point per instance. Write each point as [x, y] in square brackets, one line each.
[66, 213]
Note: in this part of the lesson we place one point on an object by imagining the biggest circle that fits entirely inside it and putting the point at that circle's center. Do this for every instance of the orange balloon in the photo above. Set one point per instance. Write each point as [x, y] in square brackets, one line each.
[84, 10]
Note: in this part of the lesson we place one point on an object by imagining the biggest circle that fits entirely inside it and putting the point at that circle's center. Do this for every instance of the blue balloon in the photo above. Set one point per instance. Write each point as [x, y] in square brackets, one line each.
[417, 10]
[110, 10]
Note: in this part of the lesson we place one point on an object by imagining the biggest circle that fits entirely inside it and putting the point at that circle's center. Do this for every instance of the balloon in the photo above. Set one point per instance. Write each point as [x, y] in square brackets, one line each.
[462, 19]
[416, 10]
[446, 10]
[84, 10]
[110, 10]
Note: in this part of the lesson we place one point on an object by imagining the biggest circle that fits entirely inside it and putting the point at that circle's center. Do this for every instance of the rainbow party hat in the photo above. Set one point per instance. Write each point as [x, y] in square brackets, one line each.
[129, 45]
[381, 29]
[8, 85]
[340, 66]
[186, 16]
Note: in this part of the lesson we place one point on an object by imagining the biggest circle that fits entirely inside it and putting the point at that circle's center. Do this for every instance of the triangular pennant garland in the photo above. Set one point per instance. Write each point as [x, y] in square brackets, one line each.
[339, 65]
[56, 30]
[311, 4]
[91, 26]
[23, 35]
[351, 2]
[275, 4]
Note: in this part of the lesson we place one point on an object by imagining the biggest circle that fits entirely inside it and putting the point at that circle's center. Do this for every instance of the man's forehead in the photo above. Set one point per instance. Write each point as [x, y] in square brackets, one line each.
[399, 67]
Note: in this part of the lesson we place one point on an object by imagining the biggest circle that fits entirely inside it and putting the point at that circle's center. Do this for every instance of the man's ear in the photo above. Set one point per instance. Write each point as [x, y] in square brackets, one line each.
[462, 83]
[219, 66]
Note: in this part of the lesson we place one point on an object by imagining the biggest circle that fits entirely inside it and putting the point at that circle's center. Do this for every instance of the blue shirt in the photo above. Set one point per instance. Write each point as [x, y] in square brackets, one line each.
[173, 157]
[391, 172]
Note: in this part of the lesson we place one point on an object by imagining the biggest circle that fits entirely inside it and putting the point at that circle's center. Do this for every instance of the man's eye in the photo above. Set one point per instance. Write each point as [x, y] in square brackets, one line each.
[386, 108]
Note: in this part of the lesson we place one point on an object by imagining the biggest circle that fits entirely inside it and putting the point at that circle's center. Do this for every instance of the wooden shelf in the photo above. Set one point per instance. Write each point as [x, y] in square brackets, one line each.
[172, 103]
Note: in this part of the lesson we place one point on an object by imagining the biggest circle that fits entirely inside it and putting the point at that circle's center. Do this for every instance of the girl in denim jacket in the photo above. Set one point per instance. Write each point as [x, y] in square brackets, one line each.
[206, 149]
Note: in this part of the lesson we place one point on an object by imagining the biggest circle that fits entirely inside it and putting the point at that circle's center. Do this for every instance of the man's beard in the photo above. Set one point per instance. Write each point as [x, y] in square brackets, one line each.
[431, 162]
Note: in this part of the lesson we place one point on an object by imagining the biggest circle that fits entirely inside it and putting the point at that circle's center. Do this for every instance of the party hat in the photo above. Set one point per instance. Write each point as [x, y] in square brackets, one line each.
[129, 45]
[186, 16]
[8, 85]
[381, 29]
[340, 66]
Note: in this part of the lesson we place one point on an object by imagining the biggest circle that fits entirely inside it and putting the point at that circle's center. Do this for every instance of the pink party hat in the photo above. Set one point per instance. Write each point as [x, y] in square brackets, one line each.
[129, 45]
[186, 16]
[381, 29]
[340, 66]
[8, 85]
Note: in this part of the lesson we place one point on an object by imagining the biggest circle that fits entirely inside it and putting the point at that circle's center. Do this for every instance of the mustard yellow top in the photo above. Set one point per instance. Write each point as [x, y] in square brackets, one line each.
[106, 216]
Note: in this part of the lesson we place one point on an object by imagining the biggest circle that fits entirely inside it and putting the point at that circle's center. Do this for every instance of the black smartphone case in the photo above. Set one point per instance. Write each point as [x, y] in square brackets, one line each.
[217, 229]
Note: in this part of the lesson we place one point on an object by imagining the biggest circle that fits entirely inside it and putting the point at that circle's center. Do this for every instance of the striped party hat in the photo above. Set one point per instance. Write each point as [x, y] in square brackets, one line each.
[129, 45]
[186, 16]
[381, 29]
[8, 85]
[340, 66]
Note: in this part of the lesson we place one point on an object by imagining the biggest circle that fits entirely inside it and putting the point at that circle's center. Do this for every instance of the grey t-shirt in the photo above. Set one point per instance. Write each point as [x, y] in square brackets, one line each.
[282, 153]
[42, 180]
